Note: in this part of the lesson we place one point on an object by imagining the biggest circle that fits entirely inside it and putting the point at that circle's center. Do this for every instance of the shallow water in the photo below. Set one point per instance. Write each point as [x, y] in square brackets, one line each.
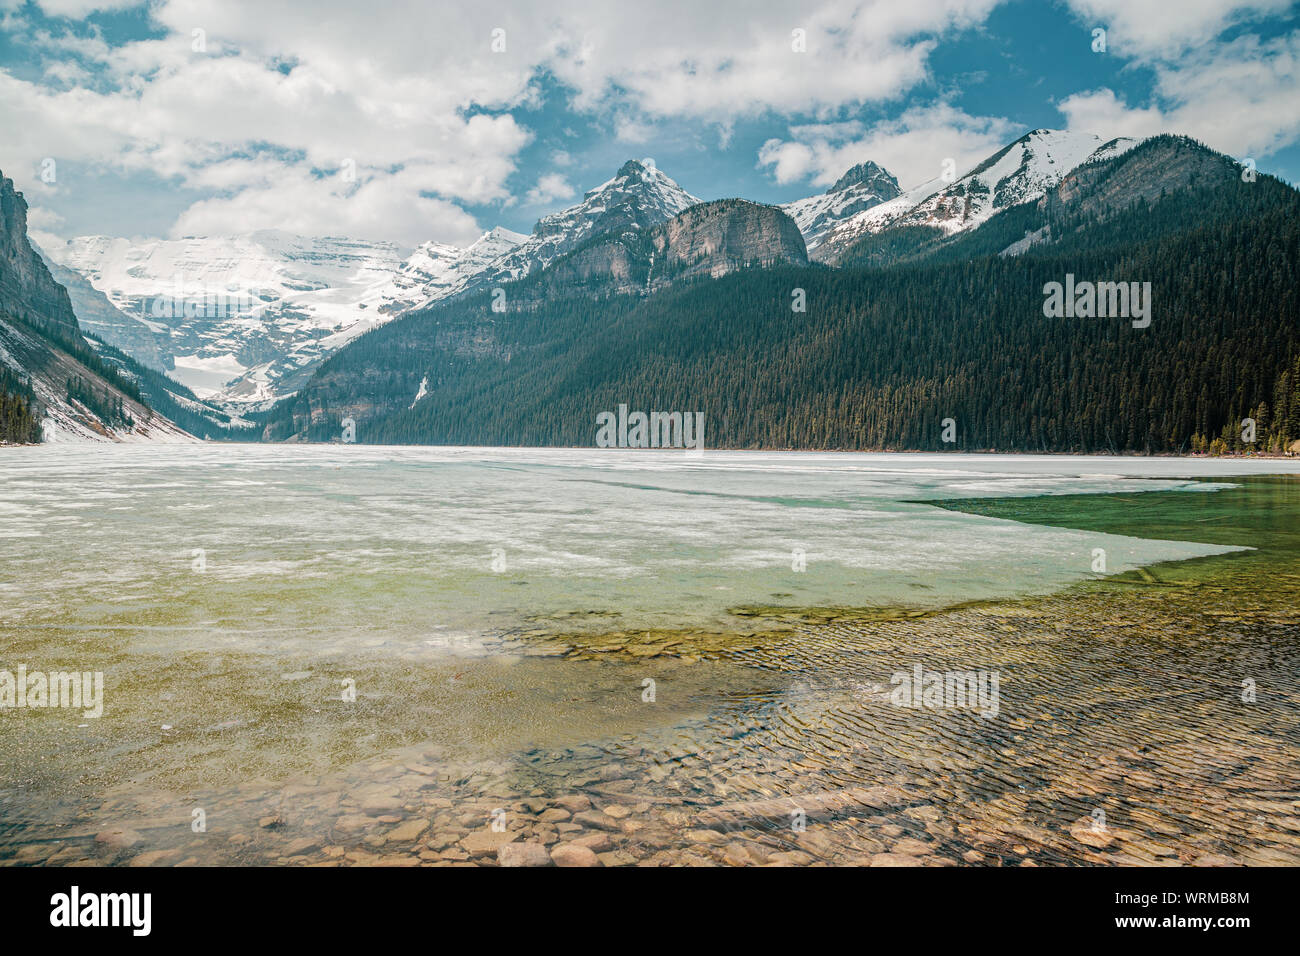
[481, 689]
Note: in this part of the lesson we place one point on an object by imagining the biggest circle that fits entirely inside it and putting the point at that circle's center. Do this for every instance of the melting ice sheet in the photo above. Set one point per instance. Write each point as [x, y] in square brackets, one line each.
[344, 546]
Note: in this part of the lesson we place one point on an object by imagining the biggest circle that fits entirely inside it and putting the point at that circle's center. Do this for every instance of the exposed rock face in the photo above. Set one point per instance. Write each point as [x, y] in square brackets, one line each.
[1163, 164]
[870, 174]
[27, 290]
[612, 263]
[721, 237]
[863, 187]
[638, 198]
[46, 349]
[712, 238]
[1020, 172]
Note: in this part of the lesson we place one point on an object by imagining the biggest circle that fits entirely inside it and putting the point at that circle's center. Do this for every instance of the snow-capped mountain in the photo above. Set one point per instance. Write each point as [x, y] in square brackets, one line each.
[864, 186]
[436, 270]
[243, 321]
[637, 198]
[240, 318]
[1019, 172]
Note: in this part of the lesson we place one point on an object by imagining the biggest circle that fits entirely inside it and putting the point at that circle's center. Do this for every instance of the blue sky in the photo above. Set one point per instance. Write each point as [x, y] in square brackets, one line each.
[412, 121]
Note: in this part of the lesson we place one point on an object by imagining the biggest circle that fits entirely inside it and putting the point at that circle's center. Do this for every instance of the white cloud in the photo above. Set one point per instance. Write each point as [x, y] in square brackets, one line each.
[629, 130]
[76, 9]
[414, 95]
[291, 199]
[913, 147]
[1242, 98]
[735, 57]
[550, 188]
[43, 226]
[1159, 29]
[402, 91]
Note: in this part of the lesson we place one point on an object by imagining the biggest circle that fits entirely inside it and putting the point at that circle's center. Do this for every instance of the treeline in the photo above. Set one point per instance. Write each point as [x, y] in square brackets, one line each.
[171, 399]
[19, 418]
[1081, 227]
[105, 406]
[77, 347]
[883, 355]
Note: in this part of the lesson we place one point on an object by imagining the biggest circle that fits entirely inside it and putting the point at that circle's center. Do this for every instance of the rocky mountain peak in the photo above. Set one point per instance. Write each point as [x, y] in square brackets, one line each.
[639, 197]
[27, 290]
[863, 187]
[633, 167]
[868, 172]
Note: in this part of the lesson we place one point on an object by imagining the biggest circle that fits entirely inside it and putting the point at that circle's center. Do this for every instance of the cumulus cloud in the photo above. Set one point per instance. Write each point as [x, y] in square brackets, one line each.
[294, 201]
[230, 89]
[1239, 97]
[551, 187]
[44, 226]
[630, 130]
[258, 106]
[913, 146]
[736, 57]
[1158, 29]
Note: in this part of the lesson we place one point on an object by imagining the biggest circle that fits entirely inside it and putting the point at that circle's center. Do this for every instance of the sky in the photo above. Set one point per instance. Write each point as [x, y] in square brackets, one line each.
[409, 120]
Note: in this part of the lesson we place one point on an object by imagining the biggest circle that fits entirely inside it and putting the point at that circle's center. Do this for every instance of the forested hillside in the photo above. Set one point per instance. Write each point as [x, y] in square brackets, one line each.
[889, 348]
[171, 399]
[19, 421]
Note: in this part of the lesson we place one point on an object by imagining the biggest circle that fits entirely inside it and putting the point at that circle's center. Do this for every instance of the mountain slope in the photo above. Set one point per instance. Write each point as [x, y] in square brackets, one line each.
[62, 380]
[98, 316]
[239, 319]
[863, 187]
[883, 356]
[172, 399]
[1020, 172]
[708, 239]
[244, 321]
[436, 270]
[27, 290]
[1080, 211]
[637, 198]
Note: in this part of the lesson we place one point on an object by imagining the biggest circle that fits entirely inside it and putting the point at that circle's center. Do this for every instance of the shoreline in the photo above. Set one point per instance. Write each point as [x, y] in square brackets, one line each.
[1111, 705]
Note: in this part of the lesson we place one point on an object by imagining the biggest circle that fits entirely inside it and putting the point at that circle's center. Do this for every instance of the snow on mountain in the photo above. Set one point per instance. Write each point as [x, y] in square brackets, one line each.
[436, 270]
[1116, 147]
[47, 368]
[638, 197]
[875, 219]
[863, 187]
[1019, 172]
[220, 307]
[244, 321]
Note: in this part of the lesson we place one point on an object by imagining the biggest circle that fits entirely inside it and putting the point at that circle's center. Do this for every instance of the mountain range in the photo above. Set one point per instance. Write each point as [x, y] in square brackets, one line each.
[299, 299]
[234, 331]
[932, 316]
[54, 385]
